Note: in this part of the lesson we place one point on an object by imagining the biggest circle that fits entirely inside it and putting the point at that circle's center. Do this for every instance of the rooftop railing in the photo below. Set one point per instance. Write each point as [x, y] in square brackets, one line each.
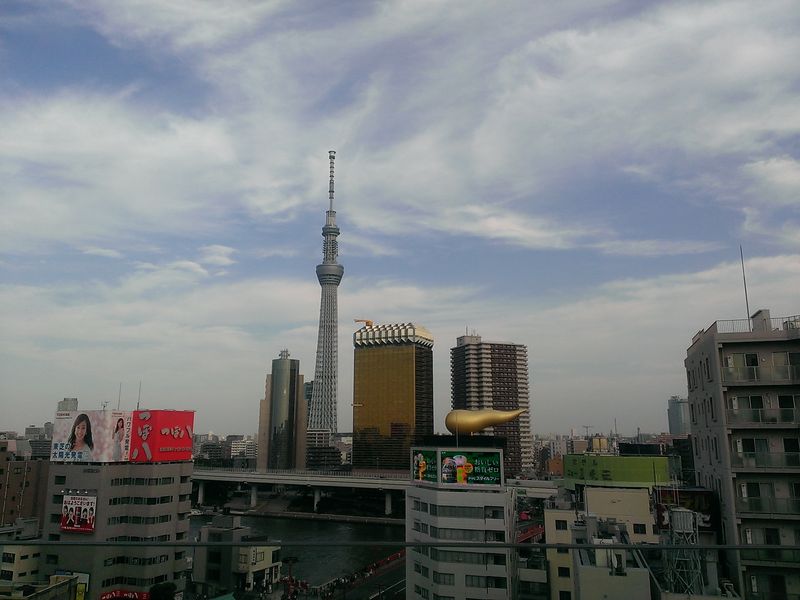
[748, 325]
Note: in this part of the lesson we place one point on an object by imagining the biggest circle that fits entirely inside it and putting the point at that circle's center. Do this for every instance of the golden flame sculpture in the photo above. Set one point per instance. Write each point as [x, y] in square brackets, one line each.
[470, 421]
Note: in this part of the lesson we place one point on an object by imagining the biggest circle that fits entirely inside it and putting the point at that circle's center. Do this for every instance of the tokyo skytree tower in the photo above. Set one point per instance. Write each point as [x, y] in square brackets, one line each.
[322, 412]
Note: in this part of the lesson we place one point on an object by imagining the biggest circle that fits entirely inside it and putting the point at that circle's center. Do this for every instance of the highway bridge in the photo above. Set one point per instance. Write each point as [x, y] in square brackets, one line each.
[319, 481]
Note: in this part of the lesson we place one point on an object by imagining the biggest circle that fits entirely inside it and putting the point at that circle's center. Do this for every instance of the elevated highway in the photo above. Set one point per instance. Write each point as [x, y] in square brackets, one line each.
[318, 481]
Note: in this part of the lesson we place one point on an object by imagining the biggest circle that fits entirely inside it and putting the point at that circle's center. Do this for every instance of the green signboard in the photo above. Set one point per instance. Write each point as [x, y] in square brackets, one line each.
[424, 466]
[471, 467]
[611, 470]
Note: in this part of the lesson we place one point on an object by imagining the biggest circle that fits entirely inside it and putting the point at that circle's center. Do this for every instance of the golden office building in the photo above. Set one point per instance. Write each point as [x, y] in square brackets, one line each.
[392, 393]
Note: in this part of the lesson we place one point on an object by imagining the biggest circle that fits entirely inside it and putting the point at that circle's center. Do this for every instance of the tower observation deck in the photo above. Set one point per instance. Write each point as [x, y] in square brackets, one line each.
[322, 411]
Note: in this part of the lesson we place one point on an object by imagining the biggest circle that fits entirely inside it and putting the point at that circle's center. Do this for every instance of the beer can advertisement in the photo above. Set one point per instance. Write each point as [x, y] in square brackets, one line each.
[78, 513]
[471, 467]
[424, 466]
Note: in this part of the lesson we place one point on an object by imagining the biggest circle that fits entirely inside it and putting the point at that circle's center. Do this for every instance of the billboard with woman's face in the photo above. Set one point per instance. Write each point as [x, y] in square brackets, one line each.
[122, 436]
[92, 436]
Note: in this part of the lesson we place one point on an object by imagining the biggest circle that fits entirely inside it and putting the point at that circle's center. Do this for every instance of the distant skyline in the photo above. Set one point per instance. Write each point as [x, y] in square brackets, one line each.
[574, 176]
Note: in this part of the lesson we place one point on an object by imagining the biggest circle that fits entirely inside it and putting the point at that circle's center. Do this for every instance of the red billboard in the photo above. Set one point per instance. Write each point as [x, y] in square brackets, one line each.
[161, 435]
[78, 513]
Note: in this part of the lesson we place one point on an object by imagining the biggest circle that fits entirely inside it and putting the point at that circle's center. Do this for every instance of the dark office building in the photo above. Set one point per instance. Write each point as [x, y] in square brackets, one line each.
[282, 418]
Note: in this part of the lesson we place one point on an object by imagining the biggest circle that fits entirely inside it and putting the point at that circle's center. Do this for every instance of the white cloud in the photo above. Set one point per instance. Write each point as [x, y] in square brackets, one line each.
[106, 252]
[217, 255]
[86, 167]
[441, 126]
[657, 247]
[616, 350]
[185, 24]
[775, 180]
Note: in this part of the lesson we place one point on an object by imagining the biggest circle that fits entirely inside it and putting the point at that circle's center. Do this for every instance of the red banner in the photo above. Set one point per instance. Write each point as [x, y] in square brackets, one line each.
[161, 435]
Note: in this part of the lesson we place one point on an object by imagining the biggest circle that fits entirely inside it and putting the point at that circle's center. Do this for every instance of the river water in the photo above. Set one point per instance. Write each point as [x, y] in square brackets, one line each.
[318, 564]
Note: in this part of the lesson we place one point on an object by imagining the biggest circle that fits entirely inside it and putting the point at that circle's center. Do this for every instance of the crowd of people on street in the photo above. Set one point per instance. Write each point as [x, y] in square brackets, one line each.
[329, 590]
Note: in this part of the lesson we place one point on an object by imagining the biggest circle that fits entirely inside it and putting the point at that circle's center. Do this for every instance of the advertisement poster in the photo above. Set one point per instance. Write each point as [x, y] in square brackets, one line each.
[91, 436]
[161, 435]
[124, 595]
[78, 514]
[471, 467]
[107, 436]
[424, 466]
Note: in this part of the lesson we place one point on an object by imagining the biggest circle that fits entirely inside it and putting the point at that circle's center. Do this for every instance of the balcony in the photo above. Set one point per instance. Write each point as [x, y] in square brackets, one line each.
[769, 506]
[766, 460]
[763, 416]
[761, 375]
[772, 556]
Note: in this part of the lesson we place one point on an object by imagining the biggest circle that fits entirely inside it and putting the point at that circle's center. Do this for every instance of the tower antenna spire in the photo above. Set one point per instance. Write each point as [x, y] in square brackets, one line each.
[322, 408]
[331, 158]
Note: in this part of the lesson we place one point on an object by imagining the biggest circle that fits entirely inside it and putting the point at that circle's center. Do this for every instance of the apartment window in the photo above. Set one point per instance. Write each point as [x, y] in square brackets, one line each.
[562, 550]
[6, 575]
[9, 557]
[421, 527]
[561, 524]
[495, 559]
[60, 479]
[639, 528]
[495, 536]
[421, 569]
[564, 595]
[438, 597]
[475, 581]
[58, 499]
[444, 578]
[496, 582]
[421, 592]
[493, 512]
[563, 571]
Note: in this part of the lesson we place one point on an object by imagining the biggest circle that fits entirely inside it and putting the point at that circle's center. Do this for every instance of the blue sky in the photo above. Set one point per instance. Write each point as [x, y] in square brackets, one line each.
[574, 176]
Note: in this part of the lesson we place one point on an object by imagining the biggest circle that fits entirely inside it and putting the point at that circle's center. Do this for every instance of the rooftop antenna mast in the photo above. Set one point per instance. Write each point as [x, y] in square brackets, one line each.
[119, 396]
[744, 281]
[139, 399]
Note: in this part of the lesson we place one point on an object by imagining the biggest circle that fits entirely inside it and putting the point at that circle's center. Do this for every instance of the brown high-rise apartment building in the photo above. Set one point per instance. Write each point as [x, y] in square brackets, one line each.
[392, 393]
[495, 375]
[23, 485]
[744, 410]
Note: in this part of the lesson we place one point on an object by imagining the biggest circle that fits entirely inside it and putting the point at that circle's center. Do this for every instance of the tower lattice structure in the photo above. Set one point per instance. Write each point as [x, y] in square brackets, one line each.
[322, 412]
